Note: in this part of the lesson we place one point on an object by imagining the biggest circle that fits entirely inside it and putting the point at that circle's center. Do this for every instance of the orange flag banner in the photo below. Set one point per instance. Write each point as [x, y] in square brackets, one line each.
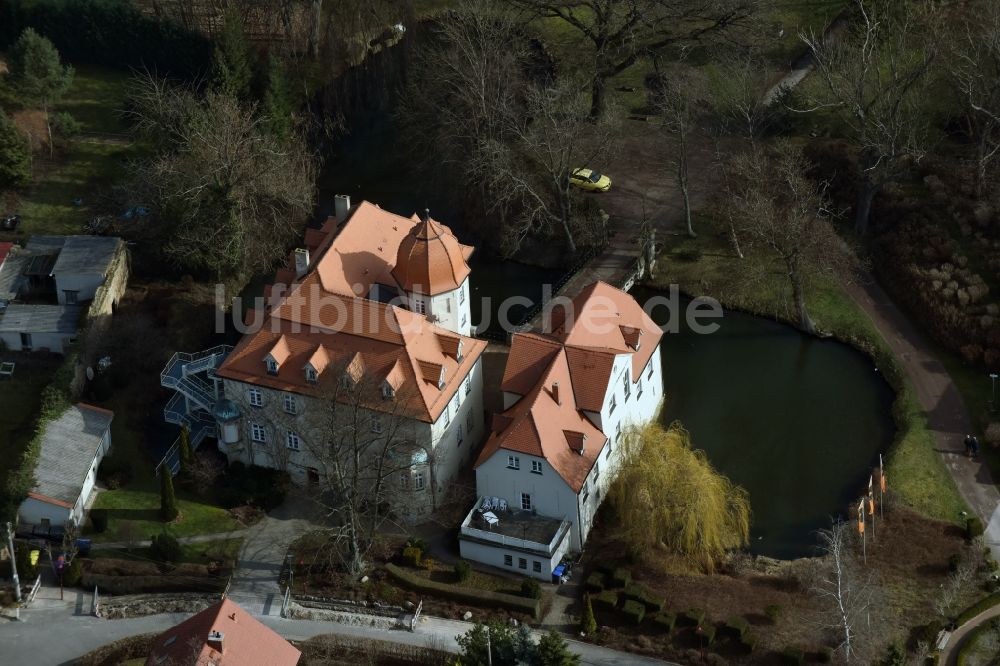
[861, 517]
[871, 506]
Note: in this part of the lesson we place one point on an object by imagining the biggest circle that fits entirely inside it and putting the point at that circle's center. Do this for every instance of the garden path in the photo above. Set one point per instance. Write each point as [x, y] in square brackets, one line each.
[949, 655]
[937, 394]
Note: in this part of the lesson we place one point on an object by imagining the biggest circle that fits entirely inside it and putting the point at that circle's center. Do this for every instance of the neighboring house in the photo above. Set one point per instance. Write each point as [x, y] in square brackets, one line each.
[43, 285]
[72, 449]
[39, 327]
[351, 321]
[222, 635]
[569, 397]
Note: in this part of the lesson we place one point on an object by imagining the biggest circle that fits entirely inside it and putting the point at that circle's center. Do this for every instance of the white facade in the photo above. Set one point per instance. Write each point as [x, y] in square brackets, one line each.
[441, 448]
[449, 310]
[34, 341]
[630, 400]
[73, 288]
[36, 511]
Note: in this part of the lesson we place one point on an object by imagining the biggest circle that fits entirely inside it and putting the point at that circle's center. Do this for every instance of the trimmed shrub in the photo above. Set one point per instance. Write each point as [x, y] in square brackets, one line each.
[706, 636]
[606, 600]
[595, 582]
[531, 588]
[749, 642]
[634, 611]
[653, 604]
[412, 556]
[773, 613]
[73, 575]
[633, 592]
[665, 621]
[485, 598]
[165, 548]
[621, 577]
[588, 623]
[462, 571]
[695, 616]
[792, 656]
[973, 527]
[975, 609]
[737, 626]
[99, 519]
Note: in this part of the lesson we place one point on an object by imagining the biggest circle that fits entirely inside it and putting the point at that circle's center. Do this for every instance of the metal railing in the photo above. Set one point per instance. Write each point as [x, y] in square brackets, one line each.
[513, 542]
[199, 360]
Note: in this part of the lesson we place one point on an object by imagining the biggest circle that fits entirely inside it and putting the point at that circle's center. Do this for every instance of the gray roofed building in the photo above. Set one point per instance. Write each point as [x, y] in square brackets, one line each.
[62, 319]
[86, 254]
[70, 445]
[12, 277]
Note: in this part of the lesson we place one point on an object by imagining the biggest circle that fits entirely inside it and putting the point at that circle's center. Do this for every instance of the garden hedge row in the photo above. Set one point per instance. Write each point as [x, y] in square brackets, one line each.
[463, 594]
[975, 609]
[152, 584]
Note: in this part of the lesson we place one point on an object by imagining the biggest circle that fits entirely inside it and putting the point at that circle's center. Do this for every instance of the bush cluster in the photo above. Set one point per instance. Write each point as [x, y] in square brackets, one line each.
[531, 588]
[412, 556]
[462, 570]
[486, 598]
[166, 548]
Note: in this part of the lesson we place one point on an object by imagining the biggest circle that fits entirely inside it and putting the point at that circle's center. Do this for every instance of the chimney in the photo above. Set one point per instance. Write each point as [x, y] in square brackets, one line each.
[215, 640]
[341, 207]
[301, 261]
[555, 393]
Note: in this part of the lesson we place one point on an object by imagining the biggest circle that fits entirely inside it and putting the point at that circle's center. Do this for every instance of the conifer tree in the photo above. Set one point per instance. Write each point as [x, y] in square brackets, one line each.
[588, 624]
[232, 59]
[36, 75]
[168, 501]
[15, 154]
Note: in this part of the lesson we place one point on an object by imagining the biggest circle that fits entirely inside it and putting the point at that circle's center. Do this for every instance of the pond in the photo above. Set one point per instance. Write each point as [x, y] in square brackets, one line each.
[796, 420]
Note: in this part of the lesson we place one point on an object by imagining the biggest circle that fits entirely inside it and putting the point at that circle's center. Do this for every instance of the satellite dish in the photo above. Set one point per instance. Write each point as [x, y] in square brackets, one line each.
[90, 373]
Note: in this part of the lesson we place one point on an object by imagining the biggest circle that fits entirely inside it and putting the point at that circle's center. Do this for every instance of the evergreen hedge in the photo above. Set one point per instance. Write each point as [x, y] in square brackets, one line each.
[486, 598]
[634, 611]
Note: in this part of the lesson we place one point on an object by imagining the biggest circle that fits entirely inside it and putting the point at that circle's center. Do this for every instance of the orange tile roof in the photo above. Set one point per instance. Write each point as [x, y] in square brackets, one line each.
[430, 260]
[320, 320]
[245, 641]
[538, 425]
[49, 500]
[366, 248]
[564, 374]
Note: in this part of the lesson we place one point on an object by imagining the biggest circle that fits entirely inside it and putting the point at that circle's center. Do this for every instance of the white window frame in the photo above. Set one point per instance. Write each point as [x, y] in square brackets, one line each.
[293, 441]
[290, 404]
[447, 415]
[614, 404]
[536, 466]
[255, 397]
[376, 423]
[627, 384]
[311, 375]
[468, 385]
[272, 366]
[419, 306]
[418, 480]
[513, 462]
[258, 433]
[461, 294]
[525, 501]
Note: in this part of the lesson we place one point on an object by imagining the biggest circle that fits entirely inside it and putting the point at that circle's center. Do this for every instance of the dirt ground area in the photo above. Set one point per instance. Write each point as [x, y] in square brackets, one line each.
[908, 561]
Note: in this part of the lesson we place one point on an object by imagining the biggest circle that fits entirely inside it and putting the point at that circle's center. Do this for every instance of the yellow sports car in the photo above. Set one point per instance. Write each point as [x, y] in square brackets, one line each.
[587, 179]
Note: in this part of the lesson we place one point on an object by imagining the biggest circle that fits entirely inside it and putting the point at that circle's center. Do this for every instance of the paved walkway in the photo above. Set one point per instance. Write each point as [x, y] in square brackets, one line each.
[949, 655]
[255, 582]
[946, 413]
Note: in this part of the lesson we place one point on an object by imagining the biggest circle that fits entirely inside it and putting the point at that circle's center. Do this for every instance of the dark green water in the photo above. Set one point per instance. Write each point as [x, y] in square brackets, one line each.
[797, 421]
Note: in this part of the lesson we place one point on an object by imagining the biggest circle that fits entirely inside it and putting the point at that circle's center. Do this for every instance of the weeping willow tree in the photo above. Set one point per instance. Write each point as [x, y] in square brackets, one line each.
[668, 495]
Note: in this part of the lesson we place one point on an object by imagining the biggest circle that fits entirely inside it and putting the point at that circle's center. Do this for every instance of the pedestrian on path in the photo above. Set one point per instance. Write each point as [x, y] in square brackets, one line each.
[968, 446]
[975, 446]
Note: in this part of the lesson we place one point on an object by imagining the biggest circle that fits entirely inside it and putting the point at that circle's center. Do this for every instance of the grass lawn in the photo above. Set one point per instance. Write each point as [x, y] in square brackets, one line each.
[138, 509]
[227, 550]
[915, 470]
[88, 164]
[20, 398]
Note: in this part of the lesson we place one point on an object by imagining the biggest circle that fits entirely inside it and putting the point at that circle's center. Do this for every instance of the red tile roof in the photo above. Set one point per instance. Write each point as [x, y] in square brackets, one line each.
[245, 641]
[430, 260]
[318, 317]
[566, 373]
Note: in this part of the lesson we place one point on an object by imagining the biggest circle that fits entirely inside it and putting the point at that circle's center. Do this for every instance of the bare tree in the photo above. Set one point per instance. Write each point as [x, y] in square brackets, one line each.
[620, 32]
[776, 207]
[959, 581]
[678, 100]
[973, 69]
[227, 196]
[365, 447]
[847, 594]
[873, 78]
[736, 92]
[546, 146]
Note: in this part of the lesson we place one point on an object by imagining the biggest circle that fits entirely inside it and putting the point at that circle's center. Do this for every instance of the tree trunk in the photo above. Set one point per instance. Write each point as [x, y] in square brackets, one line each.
[863, 206]
[805, 321]
[565, 212]
[48, 128]
[598, 89]
[317, 7]
[735, 240]
[682, 180]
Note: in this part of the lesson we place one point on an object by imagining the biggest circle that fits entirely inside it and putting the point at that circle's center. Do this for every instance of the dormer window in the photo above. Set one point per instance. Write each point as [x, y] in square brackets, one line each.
[346, 382]
[441, 379]
[458, 353]
[272, 365]
[311, 375]
[388, 393]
